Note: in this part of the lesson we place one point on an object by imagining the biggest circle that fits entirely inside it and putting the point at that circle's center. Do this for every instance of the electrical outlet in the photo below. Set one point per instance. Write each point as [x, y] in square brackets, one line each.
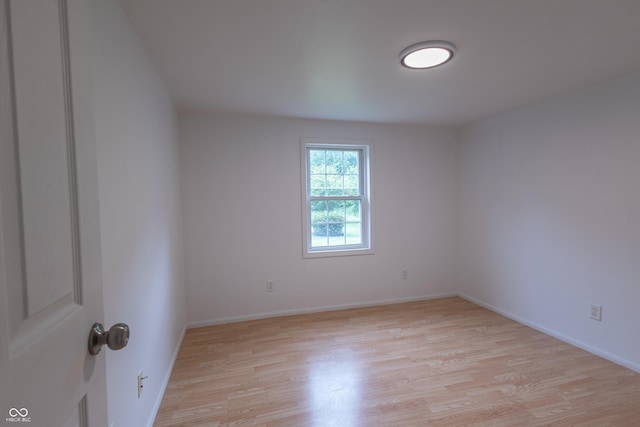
[270, 287]
[405, 274]
[141, 379]
[596, 312]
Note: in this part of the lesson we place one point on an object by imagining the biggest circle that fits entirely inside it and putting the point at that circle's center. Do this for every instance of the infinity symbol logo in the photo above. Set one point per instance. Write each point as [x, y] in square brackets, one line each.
[22, 412]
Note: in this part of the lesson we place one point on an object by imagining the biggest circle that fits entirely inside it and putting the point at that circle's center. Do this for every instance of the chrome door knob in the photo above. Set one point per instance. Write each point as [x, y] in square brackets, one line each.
[115, 338]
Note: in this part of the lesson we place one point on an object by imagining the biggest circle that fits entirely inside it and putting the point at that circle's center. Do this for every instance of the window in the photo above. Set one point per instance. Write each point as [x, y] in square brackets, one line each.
[337, 205]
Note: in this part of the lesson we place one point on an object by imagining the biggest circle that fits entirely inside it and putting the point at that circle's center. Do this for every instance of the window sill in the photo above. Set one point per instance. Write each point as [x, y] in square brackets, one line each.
[337, 253]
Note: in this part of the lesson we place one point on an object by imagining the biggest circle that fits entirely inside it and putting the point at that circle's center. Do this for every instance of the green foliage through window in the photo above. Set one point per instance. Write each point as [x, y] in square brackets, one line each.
[334, 172]
[335, 188]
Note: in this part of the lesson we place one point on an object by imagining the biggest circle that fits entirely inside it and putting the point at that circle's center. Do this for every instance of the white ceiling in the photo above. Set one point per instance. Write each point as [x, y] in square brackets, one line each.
[338, 59]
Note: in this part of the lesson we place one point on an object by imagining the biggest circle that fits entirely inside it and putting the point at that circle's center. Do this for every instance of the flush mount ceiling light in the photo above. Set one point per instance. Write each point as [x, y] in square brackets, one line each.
[427, 54]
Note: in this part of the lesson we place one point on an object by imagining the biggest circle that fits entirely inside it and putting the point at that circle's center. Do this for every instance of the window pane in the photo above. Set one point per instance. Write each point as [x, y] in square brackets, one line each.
[319, 206]
[318, 213]
[327, 222]
[353, 225]
[352, 208]
[336, 210]
[336, 222]
[316, 162]
[317, 184]
[336, 171]
[336, 240]
[353, 233]
[333, 161]
[319, 223]
[351, 185]
[351, 160]
[319, 241]
[351, 173]
[334, 181]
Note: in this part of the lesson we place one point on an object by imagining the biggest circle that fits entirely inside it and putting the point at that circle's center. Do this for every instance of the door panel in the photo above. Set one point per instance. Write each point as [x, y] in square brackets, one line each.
[49, 224]
[42, 105]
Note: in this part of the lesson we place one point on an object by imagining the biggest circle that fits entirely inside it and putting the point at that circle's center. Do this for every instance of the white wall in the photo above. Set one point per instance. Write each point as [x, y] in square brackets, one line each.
[242, 217]
[138, 163]
[550, 216]
[543, 202]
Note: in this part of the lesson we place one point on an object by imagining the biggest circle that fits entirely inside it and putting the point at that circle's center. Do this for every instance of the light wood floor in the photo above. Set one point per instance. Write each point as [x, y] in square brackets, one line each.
[439, 363]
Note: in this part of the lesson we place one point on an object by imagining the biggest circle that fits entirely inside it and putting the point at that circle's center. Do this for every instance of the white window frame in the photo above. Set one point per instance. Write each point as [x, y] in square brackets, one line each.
[366, 247]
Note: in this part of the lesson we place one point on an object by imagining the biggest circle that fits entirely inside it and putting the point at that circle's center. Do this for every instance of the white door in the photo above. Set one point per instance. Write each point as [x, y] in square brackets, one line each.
[50, 278]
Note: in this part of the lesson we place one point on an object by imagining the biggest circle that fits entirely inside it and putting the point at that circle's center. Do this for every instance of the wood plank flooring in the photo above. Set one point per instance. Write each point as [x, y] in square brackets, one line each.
[442, 362]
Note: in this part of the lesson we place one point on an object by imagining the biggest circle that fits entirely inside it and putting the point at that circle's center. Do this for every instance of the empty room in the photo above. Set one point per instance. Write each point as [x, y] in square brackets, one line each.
[320, 212]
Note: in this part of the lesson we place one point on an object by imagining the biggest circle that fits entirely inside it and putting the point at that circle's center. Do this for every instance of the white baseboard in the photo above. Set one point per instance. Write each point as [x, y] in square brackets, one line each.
[552, 332]
[308, 310]
[165, 381]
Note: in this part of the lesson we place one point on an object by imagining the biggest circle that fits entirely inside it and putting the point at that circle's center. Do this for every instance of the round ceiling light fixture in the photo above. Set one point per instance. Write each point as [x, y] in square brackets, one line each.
[425, 55]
